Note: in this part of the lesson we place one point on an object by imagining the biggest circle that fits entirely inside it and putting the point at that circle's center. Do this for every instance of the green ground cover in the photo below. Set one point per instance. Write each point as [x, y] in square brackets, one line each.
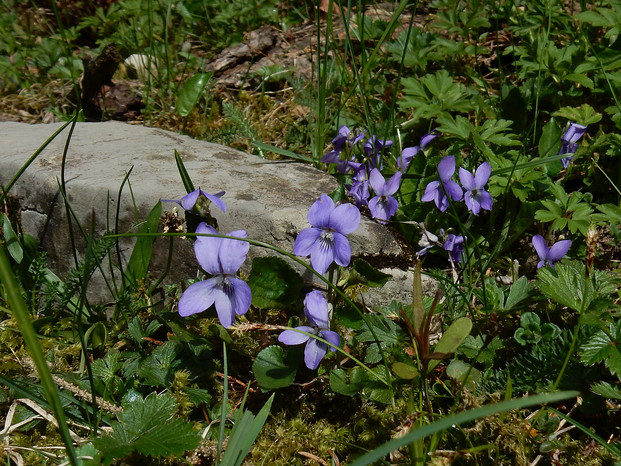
[485, 135]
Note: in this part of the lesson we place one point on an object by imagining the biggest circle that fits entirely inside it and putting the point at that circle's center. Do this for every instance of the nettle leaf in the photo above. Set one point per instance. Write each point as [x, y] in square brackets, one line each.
[272, 369]
[106, 368]
[159, 368]
[274, 283]
[565, 284]
[148, 427]
[519, 291]
[606, 390]
[604, 346]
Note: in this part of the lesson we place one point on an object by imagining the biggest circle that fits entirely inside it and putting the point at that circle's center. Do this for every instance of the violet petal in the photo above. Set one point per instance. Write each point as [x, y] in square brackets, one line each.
[313, 353]
[196, 298]
[291, 337]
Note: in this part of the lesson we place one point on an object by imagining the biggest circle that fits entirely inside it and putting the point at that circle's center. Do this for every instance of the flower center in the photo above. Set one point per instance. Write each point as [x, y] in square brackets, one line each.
[326, 239]
[223, 282]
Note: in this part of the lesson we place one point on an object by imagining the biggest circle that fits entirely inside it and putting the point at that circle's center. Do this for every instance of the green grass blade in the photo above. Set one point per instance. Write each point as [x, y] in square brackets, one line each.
[611, 448]
[279, 151]
[185, 177]
[12, 291]
[461, 418]
[225, 397]
[244, 434]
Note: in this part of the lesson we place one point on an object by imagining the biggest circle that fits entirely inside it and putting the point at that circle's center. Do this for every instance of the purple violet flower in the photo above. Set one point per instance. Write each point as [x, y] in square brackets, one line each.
[569, 141]
[437, 190]
[373, 148]
[325, 240]
[407, 155]
[476, 197]
[360, 184]
[335, 156]
[221, 258]
[383, 206]
[427, 240]
[455, 247]
[318, 316]
[409, 152]
[548, 256]
[198, 200]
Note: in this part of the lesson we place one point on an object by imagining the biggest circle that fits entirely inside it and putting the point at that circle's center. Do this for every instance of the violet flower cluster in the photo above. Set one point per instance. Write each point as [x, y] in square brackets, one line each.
[222, 257]
[367, 177]
[341, 152]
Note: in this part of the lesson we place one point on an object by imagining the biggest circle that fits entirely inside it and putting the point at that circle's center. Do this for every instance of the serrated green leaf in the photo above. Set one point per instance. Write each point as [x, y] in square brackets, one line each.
[377, 390]
[191, 92]
[274, 283]
[159, 368]
[272, 370]
[198, 396]
[519, 291]
[604, 346]
[565, 284]
[147, 426]
[613, 212]
[595, 19]
[134, 328]
[607, 390]
[107, 367]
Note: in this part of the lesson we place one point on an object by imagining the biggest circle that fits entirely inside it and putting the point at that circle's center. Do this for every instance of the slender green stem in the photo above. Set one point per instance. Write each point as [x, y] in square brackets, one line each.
[342, 351]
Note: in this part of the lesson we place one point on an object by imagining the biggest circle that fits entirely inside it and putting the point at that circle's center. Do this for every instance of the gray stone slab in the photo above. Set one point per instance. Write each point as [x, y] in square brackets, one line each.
[268, 199]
